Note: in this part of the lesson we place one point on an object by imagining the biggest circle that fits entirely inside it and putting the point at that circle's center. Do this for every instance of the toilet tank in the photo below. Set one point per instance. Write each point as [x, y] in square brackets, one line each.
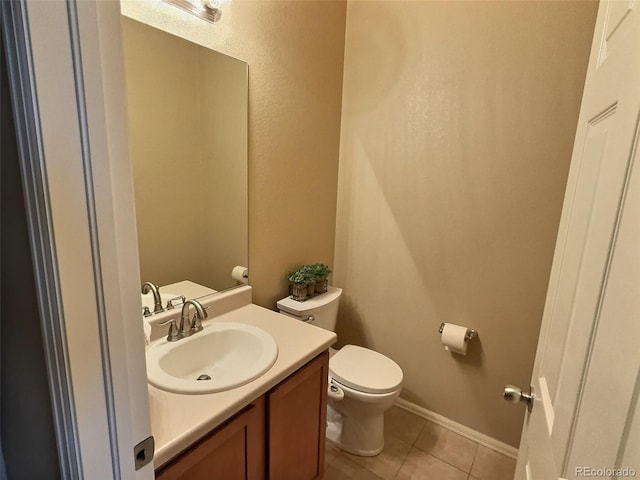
[321, 310]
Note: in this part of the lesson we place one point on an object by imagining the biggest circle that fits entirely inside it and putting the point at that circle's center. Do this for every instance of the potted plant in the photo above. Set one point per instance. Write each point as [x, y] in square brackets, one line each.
[302, 283]
[320, 273]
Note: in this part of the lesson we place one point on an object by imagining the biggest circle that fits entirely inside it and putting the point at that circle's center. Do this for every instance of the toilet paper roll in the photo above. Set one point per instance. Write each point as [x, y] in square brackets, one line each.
[241, 274]
[454, 338]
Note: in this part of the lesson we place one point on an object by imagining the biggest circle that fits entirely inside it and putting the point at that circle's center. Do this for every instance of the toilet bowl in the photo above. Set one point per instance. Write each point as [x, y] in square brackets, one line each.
[369, 383]
[363, 384]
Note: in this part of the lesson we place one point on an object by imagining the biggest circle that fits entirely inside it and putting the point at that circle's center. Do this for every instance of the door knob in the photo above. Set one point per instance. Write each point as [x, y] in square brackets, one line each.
[515, 395]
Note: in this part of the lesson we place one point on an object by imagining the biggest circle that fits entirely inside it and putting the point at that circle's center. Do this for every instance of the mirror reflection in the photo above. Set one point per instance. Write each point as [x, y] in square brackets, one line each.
[187, 111]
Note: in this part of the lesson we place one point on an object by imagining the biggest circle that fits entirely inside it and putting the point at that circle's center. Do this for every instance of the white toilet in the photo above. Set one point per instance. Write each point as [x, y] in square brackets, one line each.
[363, 384]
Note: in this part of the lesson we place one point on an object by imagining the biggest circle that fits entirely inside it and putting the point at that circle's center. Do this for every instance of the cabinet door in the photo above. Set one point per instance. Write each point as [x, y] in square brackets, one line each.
[296, 423]
[234, 451]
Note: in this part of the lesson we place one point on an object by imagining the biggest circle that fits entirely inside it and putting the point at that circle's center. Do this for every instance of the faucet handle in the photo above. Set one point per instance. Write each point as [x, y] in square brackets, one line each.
[146, 312]
[170, 305]
[196, 324]
[174, 334]
[196, 321]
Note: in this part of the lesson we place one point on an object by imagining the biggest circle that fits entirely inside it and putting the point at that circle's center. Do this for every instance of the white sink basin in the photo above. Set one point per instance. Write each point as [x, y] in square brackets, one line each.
[229, 354]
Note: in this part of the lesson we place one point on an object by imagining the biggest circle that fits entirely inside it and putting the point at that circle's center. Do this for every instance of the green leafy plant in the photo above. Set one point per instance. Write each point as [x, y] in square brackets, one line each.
[320, 271]
[302, 276]
[309, 274]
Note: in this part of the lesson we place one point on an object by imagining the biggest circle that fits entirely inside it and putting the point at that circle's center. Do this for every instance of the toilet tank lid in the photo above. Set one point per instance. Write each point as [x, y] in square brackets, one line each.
[365, 370]
[304, 309]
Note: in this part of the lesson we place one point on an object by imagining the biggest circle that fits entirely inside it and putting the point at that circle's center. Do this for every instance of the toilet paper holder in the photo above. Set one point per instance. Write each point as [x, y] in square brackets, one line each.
[469, 336]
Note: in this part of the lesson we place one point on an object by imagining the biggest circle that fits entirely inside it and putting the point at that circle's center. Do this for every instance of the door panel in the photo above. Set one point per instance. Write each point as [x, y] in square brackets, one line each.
[235, 451]
[576, 260]
[585, 377]
[610, 393]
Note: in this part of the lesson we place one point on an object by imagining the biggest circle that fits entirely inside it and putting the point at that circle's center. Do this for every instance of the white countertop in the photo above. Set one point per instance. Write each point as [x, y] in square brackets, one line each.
[187, 288]
[179, 420]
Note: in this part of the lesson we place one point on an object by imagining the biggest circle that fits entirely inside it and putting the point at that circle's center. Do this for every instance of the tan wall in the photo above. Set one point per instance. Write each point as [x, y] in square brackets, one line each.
[295, 54]
[163, 110]
[457, 128]
[223, 100]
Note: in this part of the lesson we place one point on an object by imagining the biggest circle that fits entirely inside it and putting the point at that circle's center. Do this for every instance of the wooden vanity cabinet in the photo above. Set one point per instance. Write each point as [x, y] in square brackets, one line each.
[296, 423]
[233, 451]
[280, 436]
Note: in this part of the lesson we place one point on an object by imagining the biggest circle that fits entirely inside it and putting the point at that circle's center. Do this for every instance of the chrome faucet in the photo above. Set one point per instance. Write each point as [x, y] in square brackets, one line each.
[195, 325]
[157, 300]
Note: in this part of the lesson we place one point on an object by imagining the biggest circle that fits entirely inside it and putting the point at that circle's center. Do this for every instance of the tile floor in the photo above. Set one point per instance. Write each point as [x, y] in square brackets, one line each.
[418, 449]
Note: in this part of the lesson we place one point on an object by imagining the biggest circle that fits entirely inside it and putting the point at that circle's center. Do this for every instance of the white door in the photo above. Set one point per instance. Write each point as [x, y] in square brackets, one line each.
[68, 98]
[585, 420]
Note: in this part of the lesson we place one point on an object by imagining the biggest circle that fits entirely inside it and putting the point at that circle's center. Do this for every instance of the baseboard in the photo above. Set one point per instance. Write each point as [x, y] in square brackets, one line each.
[458, 428]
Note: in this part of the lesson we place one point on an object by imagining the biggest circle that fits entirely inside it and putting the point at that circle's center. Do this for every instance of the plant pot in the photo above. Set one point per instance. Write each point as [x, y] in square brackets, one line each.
[311, 288]
[321, 286]
[299, 291]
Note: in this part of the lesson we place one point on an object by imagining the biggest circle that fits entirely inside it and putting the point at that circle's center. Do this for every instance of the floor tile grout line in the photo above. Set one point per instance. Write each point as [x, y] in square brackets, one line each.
[449, 463]
[424, 424]
[468, 474]
[363, 467]
[413, 445]
[357, 465]
[399, 470]
[475, 454]
[404, 457]
[403, 462]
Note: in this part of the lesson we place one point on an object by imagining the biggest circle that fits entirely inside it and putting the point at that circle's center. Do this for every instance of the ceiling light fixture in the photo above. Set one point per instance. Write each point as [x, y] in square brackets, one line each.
[208, 10]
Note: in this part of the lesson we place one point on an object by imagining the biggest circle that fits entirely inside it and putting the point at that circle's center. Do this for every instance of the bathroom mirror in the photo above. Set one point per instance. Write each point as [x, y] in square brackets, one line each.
[187, 112]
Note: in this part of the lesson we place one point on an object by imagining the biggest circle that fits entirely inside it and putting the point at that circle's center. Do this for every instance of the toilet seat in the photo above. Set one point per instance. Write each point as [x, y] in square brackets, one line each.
[365, 370]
